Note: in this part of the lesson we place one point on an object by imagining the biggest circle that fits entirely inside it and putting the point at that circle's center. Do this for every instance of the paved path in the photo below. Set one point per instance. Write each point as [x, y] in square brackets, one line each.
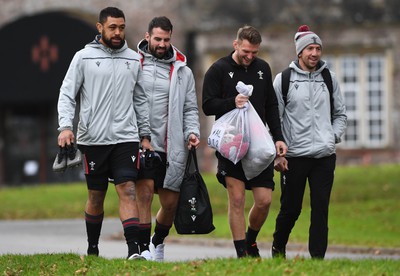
[69, 236]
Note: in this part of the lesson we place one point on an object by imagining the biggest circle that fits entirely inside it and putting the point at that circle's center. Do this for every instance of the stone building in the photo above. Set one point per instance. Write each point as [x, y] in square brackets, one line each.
[39, 38]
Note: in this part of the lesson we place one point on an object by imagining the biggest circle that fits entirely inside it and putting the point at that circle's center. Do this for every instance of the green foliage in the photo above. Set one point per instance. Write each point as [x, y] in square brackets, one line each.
[72, 264]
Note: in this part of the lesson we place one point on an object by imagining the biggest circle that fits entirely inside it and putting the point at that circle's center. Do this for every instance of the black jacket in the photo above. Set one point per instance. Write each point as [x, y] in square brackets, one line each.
[219, 91]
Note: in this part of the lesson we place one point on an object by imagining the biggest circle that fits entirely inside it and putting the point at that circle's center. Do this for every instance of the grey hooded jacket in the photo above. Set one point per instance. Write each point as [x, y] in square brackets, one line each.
[306, 118]
[170, 89]
[113, 104]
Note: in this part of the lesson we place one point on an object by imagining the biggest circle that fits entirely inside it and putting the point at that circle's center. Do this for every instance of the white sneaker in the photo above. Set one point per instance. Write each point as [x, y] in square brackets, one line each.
[136, 256]
[157, 252]
[147, 255]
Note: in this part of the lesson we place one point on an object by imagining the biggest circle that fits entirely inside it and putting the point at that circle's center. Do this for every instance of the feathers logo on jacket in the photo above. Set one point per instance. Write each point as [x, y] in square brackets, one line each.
[231, 74]
[260, 75]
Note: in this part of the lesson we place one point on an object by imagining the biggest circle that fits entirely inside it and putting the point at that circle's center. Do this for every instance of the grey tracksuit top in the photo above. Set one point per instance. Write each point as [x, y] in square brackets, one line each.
[113, 104]
[170, 89]
[306, 119]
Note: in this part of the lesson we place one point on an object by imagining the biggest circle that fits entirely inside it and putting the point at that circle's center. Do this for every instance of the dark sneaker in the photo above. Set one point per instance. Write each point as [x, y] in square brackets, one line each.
[242, 254]
[74, 156]
[93, 250]
[252, 250]
[60, 163]
[278, 253]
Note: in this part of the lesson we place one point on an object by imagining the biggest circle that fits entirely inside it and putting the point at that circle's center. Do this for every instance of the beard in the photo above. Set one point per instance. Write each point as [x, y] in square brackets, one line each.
[242, 60]
[109, 42]
[158, 52]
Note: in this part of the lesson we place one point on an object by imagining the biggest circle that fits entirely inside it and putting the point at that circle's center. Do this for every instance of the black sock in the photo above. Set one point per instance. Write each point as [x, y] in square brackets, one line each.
[93, 230]
[160, 233]
[240, 247]
[251, 236]
[131, 233]
[144, 236]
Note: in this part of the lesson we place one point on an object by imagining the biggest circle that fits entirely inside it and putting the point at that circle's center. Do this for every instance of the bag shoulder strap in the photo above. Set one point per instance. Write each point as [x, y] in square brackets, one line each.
[285, 83]
[326, 75]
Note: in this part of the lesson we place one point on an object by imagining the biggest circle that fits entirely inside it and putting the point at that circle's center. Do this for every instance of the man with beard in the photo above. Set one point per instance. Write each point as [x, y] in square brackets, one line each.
[219, 97]
[113, 120]
[174, 123]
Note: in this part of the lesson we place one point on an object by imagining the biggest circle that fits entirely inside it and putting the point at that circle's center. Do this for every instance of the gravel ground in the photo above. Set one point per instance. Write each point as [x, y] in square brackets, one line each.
[69, 236]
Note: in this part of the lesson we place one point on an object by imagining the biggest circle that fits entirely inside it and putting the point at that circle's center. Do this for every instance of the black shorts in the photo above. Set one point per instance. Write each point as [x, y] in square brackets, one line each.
[227, 168]
[157, 173]
[118, 162]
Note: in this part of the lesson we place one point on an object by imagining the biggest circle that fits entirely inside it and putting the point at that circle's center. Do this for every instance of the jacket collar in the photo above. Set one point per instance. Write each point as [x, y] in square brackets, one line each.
[97, 44]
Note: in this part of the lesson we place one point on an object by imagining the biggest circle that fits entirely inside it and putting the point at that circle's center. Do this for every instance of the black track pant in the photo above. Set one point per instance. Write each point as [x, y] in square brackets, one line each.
[319, 173]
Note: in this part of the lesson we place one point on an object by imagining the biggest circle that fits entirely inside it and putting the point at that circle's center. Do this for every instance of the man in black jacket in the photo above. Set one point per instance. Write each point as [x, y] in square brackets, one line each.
[219, 97]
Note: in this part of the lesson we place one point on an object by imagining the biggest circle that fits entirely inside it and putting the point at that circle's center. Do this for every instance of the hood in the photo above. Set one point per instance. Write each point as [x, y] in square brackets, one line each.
[173, 54]
[97, 44]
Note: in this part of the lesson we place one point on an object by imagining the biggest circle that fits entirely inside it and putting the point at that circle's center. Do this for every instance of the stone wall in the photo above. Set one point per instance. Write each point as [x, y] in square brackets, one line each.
[138, 13]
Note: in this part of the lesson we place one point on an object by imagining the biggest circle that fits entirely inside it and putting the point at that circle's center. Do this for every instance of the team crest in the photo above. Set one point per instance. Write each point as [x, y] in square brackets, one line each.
[91, 164]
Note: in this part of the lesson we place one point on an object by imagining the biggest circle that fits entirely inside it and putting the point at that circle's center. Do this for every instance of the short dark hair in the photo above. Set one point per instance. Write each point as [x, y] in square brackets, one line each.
[160, 22]
[110, 11]
[249, 33]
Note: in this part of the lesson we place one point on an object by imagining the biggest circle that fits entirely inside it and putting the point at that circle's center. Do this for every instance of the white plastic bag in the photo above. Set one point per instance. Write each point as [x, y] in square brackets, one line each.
[244, 89]
[262, 150]
[230, 135]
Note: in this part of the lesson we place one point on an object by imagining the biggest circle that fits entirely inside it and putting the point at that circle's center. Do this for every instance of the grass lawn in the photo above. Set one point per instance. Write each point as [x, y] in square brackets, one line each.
[71, 264]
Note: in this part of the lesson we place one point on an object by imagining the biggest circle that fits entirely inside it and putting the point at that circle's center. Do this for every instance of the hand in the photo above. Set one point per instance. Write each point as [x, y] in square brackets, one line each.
[146, 145]
[241, 100]
[193, 141]
[66, 138]
[281, 164]
[281, 148]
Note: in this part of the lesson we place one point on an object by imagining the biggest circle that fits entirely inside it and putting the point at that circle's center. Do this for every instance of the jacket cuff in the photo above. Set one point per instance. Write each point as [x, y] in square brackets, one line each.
[64, 128]
[148, 137]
